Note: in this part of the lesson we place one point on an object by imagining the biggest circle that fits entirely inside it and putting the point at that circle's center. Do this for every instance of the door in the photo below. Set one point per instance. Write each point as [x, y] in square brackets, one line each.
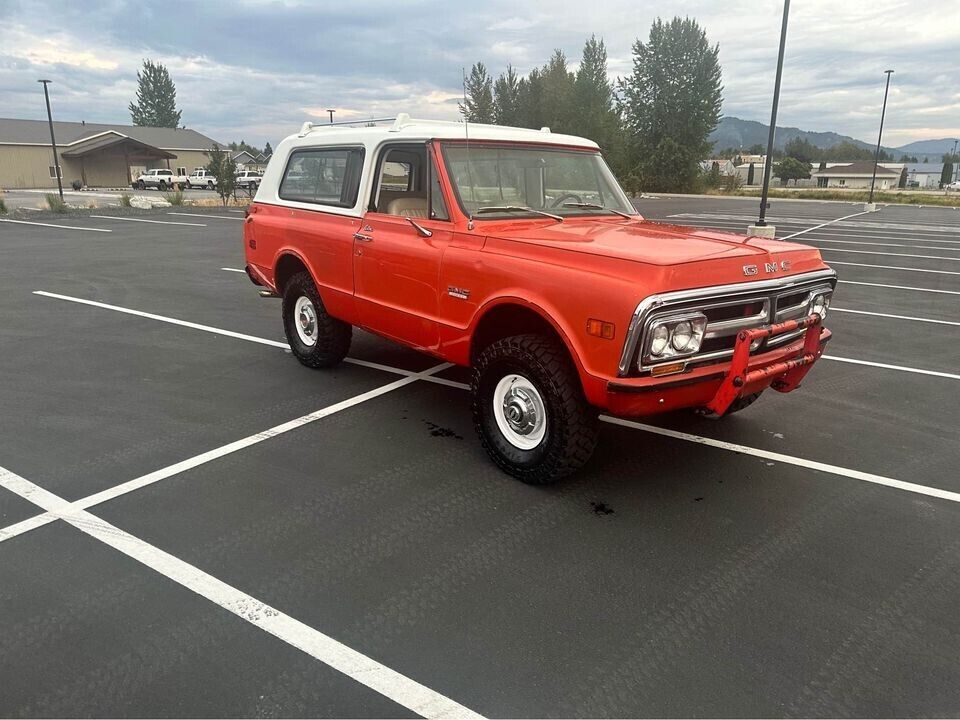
[399, 250]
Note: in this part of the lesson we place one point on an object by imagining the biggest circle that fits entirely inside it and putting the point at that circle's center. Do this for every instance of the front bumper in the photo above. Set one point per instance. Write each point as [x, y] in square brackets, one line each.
[716, 386]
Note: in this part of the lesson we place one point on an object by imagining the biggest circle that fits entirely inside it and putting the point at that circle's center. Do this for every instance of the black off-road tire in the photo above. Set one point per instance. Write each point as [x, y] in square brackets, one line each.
[333, 339]
[210, 185]
[741, 403]
[141, 185]
[572, 424]
[162, 185]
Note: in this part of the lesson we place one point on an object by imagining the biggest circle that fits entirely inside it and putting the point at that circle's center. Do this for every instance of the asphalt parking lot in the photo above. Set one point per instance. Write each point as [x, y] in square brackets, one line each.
[193, 524]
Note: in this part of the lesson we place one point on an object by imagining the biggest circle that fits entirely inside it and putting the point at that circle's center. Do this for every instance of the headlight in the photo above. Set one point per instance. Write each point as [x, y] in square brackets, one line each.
[819, 304]
[674, 337]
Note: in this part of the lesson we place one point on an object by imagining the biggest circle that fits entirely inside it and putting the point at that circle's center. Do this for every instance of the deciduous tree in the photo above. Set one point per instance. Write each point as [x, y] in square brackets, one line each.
[791, 169]
[670, 103]
[224, 170]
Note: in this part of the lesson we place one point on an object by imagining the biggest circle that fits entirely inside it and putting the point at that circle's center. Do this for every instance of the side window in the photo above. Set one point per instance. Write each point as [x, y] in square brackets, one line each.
[181, 171]
[324, 176]
[400, 187]
[397, 176]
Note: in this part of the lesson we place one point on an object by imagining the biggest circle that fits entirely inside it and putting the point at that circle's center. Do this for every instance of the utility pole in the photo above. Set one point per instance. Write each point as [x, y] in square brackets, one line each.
[53, 140]
[761, 228]
[876, 157]
[956, 160]
[331, 115]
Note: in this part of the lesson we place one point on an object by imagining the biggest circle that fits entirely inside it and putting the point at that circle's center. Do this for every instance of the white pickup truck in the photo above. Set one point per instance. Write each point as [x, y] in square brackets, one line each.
[161, 179]
[201, 178]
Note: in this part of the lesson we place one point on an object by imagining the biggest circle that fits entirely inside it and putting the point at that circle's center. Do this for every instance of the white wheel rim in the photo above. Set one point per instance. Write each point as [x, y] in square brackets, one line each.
[520, 412]
[305, 320]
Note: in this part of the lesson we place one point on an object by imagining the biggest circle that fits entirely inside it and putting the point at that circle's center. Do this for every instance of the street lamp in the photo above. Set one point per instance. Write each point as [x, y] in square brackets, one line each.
[876, 157]
[53, 140]
[769, 231]
[331, 115]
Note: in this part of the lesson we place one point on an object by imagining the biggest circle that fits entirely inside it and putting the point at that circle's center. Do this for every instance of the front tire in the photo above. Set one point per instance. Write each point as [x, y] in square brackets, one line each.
[142, 185]
[529, 409]
[317, 339]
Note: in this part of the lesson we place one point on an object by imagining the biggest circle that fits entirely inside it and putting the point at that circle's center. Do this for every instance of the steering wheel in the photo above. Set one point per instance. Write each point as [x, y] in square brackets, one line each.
[563, 198]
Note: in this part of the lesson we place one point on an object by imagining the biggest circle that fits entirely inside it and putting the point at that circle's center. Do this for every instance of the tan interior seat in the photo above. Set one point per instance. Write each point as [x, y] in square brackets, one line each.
[415, 207]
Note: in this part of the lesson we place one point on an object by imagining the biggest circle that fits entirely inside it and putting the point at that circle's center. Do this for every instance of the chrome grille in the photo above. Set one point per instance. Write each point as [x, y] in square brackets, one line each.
[729, 309]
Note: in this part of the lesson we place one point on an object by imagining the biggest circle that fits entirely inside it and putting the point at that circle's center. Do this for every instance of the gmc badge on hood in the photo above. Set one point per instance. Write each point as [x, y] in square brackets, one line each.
[768, 268]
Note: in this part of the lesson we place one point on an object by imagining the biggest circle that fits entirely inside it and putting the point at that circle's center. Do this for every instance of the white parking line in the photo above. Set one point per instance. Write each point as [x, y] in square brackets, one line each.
[204, 216]
[232, 447]
[899, 368]
[895, 267]
[143, 220]
[225, 333]
[62, 227]
[889, 254]
[829, 222]
[234, 270]
[364, 363]
[831, 241]
[789, 460]
[899, 287]
[895, 317]
[352, 663]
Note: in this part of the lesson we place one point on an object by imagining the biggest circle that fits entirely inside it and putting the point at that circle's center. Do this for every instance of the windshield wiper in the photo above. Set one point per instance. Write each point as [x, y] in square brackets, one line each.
[517, 208]
[594, 206]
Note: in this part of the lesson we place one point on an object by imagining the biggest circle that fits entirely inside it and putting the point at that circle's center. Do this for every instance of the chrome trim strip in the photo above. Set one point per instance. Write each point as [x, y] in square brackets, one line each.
[721, 292]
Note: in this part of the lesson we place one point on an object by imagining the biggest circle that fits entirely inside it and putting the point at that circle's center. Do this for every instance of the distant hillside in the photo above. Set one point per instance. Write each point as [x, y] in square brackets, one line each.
[934, 149]
[734, 132]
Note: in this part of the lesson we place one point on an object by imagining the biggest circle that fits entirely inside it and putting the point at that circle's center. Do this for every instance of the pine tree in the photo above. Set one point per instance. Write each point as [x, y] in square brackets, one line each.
[670, 103]
[506, 98]
[556, 98]
[594, 113]
[479, 92]
[267, 150]
[156, 104]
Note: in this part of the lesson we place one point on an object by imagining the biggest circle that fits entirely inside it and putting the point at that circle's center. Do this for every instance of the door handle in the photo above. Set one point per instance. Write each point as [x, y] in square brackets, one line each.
[361, 237]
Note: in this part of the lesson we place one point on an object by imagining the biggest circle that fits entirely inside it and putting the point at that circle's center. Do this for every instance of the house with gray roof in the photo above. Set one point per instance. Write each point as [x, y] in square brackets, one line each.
[98, 155]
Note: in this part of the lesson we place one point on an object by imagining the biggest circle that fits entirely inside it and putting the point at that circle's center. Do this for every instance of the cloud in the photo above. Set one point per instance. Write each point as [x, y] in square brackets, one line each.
[257, 70]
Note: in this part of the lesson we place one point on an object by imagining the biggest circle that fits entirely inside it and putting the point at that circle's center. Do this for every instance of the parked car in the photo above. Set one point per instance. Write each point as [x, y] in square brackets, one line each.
[201, 178]
[249, 179]
[161, 178]
[955, 185]
[517, 254]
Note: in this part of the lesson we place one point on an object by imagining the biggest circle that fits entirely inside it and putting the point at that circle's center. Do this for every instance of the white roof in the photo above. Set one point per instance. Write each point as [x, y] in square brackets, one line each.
[405, 128]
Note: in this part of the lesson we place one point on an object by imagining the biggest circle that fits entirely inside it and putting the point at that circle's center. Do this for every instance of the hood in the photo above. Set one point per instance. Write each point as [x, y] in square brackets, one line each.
[648, 242]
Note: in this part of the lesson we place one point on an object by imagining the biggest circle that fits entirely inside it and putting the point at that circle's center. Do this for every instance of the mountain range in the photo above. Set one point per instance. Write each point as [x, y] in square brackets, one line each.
[733, 132]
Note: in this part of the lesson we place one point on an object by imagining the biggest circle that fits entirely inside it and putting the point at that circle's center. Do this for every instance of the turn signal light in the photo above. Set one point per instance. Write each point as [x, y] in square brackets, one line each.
[669, 369]
[600, 329]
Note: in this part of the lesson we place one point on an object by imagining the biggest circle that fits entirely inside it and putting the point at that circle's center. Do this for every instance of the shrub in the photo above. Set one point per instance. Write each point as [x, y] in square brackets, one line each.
[56, 204]
[3, 206]
[175, 198]
[124, 200]
[76, 185]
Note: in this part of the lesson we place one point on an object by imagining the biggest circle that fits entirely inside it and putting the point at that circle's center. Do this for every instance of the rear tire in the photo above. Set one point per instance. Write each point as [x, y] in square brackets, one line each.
[161, 186]
[209, 185]
[529, 409]
[317, 339]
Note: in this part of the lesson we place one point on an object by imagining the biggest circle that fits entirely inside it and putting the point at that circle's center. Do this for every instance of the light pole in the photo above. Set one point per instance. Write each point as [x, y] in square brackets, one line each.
[331, 115]
[956, 160]
[53, 140]
[876, 157]
[770, 231]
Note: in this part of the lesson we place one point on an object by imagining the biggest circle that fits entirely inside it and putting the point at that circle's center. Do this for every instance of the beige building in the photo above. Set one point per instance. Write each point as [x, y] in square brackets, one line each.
[97, 155]
[856, 175]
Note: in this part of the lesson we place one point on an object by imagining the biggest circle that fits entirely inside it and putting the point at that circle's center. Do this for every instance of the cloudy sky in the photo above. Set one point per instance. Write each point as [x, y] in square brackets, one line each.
[256, 69]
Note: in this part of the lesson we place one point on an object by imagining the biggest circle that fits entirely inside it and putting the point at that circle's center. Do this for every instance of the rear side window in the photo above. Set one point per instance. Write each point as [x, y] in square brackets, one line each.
[324, 176]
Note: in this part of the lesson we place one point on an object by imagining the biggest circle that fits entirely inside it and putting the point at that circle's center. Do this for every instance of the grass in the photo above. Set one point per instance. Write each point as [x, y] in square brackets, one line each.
[125, 200]
[217, 202]
[3, 206]
[175, 198]
[889, 198]
[56, 204]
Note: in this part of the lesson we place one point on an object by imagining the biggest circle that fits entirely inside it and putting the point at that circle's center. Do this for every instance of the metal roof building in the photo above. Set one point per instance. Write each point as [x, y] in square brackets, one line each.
[98, 155]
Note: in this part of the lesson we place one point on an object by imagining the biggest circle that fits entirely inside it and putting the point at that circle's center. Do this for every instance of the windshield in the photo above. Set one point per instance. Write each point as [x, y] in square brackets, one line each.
[501, 181]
